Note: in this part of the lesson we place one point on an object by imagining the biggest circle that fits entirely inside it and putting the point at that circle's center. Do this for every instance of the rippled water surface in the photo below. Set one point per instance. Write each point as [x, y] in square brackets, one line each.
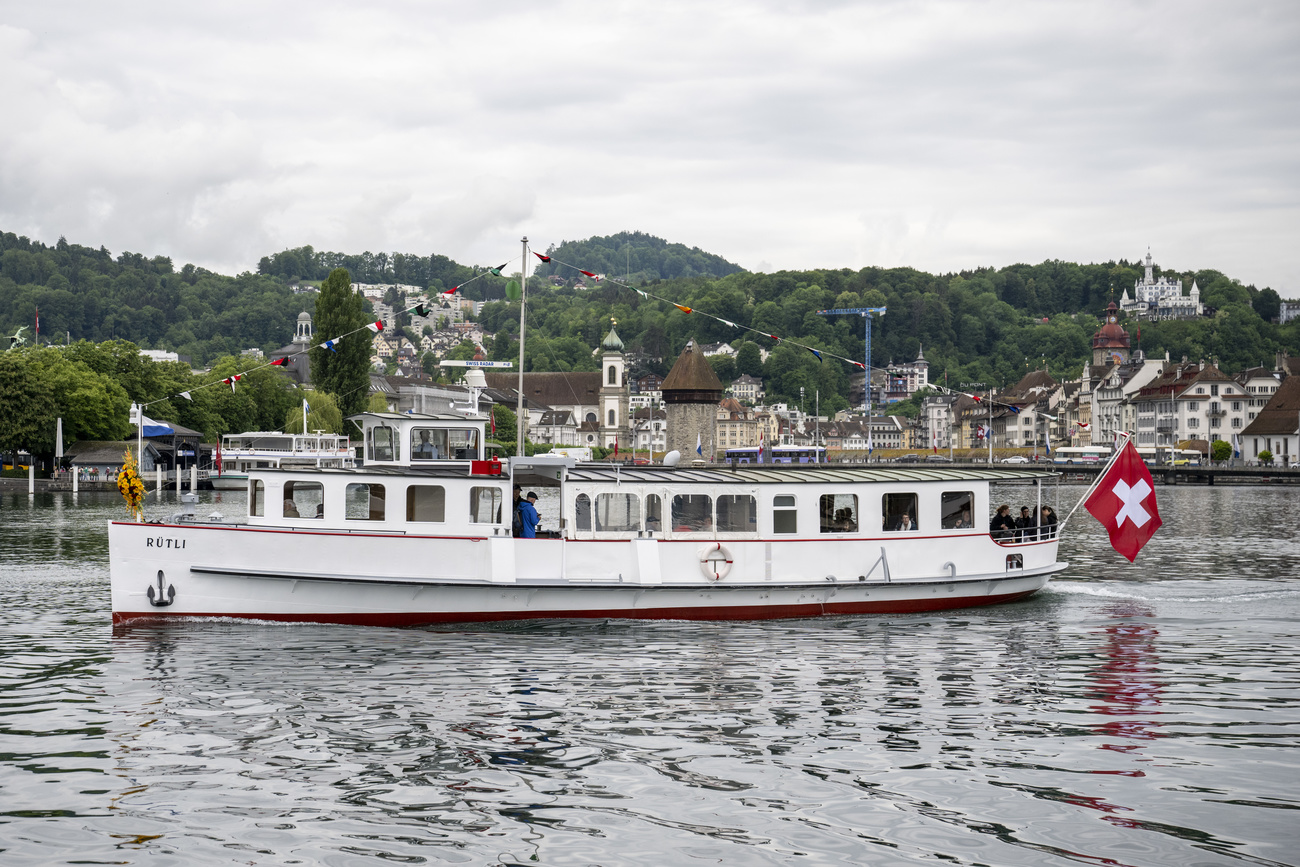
[1128, 715]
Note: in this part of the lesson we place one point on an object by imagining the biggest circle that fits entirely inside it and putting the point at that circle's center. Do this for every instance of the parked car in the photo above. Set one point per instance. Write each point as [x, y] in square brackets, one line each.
[1016, 459]
[938, 459]
[909, 458]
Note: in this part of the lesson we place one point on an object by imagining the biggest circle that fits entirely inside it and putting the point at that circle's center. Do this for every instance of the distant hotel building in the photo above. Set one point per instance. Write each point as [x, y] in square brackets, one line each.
[1161, 299]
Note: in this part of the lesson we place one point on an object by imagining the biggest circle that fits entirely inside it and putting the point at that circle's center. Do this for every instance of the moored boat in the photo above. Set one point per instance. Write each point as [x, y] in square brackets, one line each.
[252, 450]
[422, 534]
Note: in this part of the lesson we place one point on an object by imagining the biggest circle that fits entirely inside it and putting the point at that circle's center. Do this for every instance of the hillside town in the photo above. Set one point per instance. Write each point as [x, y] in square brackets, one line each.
[1172, 404]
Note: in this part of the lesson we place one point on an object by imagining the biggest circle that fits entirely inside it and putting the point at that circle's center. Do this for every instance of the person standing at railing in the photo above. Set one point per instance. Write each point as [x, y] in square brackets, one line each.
[1047, 523]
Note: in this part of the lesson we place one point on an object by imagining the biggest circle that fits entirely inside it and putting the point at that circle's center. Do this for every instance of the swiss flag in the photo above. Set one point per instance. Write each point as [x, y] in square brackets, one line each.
[1125, 503]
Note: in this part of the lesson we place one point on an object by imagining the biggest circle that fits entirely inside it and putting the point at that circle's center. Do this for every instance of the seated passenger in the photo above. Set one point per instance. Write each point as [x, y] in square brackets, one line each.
[290, 508]
[964, 522]
[1003, 526]
[905, 522]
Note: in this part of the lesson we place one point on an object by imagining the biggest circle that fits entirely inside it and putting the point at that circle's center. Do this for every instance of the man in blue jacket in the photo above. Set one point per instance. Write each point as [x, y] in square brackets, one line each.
[528, 514]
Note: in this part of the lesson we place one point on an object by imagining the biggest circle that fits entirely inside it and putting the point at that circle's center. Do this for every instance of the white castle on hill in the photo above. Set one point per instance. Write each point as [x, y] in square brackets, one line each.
[1161, 299]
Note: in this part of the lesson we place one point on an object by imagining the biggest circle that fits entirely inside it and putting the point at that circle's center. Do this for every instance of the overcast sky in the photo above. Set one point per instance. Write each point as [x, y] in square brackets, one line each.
[778, 135]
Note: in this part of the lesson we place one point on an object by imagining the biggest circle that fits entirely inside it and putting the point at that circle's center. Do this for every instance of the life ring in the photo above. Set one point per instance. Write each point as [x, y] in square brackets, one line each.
[715, 562]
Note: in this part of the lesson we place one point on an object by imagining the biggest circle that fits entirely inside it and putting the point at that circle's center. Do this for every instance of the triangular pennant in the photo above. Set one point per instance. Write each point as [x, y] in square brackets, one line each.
[451, 291]
[540, 256]
[725, 322]
[330, 344]
[496, 272]
[282, 361]
[588, 273]
[376, 327]
[645, 295]
[186, 395]
[683, 309]
[420, 310]
[815, 352]
[774, 337]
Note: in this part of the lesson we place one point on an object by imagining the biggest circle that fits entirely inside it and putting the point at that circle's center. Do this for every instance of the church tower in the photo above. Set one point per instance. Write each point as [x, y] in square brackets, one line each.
[614, 422]
[1110, 345]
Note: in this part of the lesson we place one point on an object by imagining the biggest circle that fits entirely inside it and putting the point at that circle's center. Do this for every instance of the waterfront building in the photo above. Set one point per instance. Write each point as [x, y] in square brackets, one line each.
[1277, 427]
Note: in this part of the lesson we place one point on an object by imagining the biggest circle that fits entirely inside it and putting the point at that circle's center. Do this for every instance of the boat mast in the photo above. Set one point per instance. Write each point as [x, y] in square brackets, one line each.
[523, 305]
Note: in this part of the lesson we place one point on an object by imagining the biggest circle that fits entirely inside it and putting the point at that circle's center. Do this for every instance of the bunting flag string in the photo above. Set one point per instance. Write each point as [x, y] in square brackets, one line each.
[821, 354]
[284, 361]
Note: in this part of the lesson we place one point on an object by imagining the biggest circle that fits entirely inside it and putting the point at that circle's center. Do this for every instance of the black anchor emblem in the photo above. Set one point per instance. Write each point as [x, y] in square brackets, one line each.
[157, 600]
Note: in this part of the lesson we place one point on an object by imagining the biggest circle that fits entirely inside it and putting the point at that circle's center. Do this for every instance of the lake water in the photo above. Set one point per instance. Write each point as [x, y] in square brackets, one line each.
[1127, 715]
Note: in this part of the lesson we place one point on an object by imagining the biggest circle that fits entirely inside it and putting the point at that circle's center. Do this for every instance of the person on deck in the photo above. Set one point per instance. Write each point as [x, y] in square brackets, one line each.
[528, 516]
[1047, 523]
[1003, 526]
[1026, 527]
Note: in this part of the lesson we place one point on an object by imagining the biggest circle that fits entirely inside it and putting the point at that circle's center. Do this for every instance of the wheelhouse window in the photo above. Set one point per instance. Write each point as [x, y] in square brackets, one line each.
[839, 513]
[304, 500]
[256, 499]
[484, 505]
[462, 444]
[737, 513]
[582, 512]
[364, 502]
[692, 513]
[426, 504]
[958, 510]
[785, 517]
[382, 444]
[618, 513]
[428, 444]
[899, 512]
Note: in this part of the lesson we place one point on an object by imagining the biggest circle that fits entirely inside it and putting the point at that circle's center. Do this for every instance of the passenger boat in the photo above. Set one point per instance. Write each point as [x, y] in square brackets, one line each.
[421, 534]
[255, 450]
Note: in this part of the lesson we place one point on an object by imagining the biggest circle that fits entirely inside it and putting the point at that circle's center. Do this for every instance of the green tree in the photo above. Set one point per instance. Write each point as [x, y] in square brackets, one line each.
[345, 371]
[322, 414]
[749, 359]
[25, 406]
[1220, 450]
[507, 428]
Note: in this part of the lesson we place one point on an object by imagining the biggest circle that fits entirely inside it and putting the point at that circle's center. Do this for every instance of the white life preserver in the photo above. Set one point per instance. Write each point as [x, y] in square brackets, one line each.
[715, 561]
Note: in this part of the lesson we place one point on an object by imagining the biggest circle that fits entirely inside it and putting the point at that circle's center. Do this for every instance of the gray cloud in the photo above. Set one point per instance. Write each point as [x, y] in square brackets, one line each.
[939, 135]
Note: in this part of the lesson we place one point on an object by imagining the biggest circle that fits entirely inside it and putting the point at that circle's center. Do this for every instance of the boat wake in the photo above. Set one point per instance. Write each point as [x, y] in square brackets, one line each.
[1073, 588]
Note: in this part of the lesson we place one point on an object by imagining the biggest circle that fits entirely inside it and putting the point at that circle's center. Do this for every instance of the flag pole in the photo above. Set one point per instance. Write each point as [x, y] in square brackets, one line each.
[1095, 482]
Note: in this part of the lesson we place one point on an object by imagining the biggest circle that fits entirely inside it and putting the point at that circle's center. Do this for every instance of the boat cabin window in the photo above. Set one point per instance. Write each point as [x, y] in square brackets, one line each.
[382, 444]
[785, 518]
[304, 500]
[737, 513]
[484, 505]
[426, 504]
[462, 444]
[898, 512]
[654, 513]
[428, 444]
[839, 513]
[582, 512]
[256, 499]
[618, 512]
[692, 513]
[364, 502]
[958, 509]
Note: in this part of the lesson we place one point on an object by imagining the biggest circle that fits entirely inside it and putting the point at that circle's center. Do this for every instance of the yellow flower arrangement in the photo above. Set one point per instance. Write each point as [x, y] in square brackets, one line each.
[131, 487]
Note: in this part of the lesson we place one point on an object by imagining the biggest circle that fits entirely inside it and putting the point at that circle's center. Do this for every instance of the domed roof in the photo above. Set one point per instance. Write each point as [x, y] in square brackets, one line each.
[612, 340]
[304, 316]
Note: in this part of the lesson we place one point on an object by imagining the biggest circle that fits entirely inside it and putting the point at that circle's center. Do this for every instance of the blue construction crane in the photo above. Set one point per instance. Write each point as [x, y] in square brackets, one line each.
[866, 313]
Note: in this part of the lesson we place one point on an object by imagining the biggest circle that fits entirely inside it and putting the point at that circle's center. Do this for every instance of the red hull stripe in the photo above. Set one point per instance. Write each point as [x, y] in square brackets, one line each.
[721, 612]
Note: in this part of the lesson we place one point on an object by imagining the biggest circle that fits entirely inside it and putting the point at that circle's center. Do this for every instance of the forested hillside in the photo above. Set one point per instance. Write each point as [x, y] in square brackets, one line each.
[986, 325]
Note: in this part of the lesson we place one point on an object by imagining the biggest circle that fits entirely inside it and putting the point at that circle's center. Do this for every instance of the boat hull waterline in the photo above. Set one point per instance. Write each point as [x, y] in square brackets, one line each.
[172, 571]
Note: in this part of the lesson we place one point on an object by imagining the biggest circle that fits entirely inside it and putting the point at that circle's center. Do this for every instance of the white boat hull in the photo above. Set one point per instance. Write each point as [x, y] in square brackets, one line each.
[229, 482]
[398, 579]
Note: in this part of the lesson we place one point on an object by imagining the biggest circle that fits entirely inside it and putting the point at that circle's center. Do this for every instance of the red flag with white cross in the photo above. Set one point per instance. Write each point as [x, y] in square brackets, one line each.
[1125, 503]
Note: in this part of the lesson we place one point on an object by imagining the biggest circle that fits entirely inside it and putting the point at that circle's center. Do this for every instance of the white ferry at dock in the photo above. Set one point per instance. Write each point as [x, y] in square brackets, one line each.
[421, 534]
[253, 450]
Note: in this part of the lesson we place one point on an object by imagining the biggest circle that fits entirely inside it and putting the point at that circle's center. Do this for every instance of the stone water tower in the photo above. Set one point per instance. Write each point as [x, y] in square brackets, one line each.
[691, 394]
